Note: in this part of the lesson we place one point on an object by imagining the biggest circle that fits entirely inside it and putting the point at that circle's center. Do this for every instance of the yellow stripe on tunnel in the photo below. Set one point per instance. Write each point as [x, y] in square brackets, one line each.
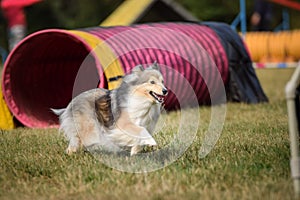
[6, 118]
[106, 57]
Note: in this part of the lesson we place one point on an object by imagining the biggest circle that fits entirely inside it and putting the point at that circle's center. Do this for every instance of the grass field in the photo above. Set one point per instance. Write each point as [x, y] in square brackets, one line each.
[249, 161]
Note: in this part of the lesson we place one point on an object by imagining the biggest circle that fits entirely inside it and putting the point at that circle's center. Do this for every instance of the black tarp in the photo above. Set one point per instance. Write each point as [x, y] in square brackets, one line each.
[243, 84]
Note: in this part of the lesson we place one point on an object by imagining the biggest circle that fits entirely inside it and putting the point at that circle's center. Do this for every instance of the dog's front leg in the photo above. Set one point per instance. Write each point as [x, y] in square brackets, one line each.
[131, 135]
[135, 149]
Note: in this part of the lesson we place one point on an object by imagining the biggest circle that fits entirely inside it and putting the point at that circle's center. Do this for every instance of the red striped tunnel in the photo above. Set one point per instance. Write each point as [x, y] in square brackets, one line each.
[50, 67]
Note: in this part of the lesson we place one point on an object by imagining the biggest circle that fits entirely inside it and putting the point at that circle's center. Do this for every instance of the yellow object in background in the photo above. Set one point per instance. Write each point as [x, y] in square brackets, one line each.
[121, 16]
[269, 47]
[6, 118]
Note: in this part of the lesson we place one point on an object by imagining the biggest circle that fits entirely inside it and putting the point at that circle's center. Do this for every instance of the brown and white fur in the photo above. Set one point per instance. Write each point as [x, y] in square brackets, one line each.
[117, 119]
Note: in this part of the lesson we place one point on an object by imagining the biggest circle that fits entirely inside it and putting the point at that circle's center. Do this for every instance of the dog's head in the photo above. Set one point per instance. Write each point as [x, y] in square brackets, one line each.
[148, 83]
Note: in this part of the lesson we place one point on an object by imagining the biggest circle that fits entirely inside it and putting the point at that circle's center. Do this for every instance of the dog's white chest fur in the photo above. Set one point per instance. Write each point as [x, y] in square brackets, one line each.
[143, 113]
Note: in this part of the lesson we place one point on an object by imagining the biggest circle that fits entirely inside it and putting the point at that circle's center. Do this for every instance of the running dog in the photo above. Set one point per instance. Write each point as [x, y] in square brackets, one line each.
[119, 119]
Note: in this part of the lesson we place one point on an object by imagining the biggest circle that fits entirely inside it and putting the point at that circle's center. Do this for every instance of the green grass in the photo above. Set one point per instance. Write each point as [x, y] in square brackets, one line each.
[249, 161]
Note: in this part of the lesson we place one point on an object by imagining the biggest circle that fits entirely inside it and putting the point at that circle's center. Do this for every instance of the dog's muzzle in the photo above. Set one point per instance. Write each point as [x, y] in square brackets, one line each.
[158, 97]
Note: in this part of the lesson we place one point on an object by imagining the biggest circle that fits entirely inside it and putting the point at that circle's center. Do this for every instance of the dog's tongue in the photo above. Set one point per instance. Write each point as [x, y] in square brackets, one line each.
[161, 98]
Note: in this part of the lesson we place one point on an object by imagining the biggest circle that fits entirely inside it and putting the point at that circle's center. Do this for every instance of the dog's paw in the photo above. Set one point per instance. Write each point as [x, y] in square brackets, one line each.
[135, 149]
[71, 150]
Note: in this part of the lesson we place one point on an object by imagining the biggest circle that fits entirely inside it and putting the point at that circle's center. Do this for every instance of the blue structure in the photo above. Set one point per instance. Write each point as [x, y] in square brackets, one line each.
[285, 24]
[241, 18]
[3, 54]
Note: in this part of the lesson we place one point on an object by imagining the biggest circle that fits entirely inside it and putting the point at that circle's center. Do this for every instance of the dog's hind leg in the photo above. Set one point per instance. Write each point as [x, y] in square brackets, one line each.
[74, 144]
[71, 133]
[89, 133]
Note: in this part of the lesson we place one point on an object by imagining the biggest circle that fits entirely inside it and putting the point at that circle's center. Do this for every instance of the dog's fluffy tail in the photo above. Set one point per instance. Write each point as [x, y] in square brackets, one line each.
[58, 111]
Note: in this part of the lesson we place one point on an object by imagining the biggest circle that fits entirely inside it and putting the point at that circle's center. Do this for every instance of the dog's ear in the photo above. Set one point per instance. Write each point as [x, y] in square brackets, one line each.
[138, 68]
[154, 66]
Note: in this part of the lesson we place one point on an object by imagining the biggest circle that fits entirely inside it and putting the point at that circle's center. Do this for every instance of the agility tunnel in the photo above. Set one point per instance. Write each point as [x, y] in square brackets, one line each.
[48, 68]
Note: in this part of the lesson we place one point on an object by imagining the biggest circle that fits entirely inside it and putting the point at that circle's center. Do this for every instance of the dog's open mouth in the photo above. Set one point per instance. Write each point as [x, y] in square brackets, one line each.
[157, 97]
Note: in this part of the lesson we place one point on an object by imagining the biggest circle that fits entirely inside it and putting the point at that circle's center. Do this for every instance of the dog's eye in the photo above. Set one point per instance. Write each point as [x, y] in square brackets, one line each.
[162, 82]
[152, 82]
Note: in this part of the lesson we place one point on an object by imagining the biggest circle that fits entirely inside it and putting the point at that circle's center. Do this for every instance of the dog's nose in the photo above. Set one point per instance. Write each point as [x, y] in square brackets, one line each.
[165, 91]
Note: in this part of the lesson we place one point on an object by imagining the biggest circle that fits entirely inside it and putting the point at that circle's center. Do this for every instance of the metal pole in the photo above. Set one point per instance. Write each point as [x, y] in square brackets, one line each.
[290, 91]
[243, 17]
[285, 19]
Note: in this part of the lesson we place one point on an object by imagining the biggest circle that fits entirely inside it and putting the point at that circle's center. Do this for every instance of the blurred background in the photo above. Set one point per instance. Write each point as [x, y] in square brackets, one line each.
[73, 14]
